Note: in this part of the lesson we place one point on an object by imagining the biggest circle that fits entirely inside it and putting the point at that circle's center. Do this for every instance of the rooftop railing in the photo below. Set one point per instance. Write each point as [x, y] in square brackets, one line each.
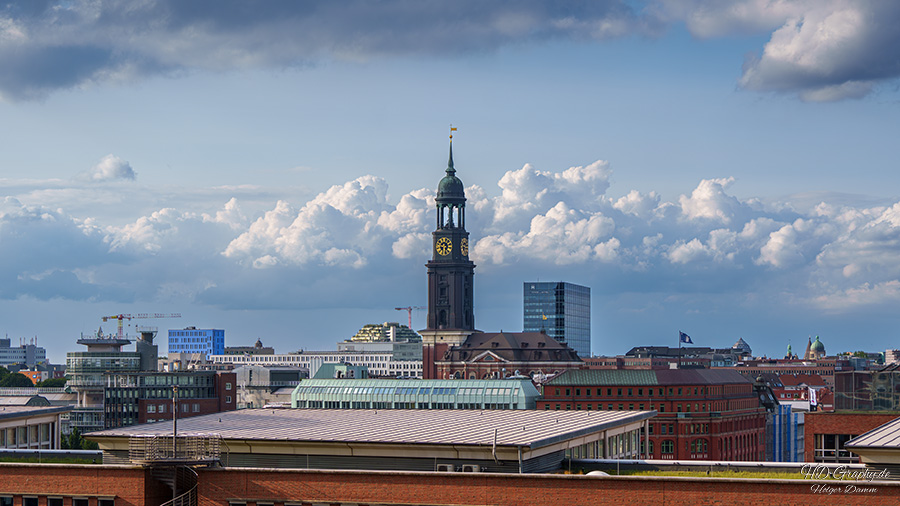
[197, 448]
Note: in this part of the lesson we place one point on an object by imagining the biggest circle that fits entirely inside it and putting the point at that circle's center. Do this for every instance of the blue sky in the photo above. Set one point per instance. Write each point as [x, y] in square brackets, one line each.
[724, 169]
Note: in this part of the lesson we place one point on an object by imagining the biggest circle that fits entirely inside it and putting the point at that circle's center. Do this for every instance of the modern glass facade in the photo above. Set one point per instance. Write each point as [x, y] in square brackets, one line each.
[561, 310]
[124, 392]
[192, 340]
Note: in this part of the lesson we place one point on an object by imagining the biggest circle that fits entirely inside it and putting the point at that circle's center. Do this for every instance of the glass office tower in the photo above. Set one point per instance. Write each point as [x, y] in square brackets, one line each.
[561, 310]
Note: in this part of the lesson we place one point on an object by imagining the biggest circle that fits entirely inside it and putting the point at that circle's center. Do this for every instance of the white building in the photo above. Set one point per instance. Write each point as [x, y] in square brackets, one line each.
[379, 363]
[29, 354]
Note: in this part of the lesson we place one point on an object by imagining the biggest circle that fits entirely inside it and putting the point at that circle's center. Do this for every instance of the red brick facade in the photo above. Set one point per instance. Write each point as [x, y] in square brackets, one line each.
[840, 423]
[699, 421]
[219, 487]
[130, 486]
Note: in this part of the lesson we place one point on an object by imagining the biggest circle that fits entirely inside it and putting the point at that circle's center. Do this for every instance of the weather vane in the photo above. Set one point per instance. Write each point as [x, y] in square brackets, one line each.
[452, 129]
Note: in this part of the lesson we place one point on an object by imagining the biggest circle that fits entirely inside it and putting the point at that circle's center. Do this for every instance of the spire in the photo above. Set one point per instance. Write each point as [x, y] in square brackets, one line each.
[450, 170]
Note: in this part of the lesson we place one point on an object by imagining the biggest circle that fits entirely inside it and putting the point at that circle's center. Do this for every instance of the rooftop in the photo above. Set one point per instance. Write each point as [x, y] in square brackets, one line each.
[648, 377]
[532, 429]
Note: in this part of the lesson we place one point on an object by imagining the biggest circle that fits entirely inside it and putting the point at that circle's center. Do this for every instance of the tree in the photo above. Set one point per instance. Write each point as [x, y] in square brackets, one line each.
[74, 441]
[16, 380]
[52, 383]
[4, 372]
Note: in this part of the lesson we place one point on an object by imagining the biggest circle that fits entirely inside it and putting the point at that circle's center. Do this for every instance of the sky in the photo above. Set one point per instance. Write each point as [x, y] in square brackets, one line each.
[725, 169]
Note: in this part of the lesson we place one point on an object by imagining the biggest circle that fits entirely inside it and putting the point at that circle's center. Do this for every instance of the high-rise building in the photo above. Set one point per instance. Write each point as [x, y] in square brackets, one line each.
[562, 311]
[192, 340]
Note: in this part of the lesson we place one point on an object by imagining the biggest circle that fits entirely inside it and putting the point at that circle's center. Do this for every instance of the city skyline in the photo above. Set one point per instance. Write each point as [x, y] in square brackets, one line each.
[726, 171]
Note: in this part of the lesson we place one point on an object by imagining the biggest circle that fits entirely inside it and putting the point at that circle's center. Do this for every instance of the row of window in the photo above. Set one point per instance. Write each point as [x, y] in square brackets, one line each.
[161, 408]
[31, 435]
[56, 501]
[303, 404]
[640, 391]
[661, 407]
[340, 390]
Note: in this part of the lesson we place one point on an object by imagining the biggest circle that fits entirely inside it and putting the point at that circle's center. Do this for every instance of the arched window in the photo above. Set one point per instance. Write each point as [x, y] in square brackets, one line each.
[667, 446]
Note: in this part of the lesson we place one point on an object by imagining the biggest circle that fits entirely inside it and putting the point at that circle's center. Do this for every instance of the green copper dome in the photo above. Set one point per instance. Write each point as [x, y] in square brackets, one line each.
[451, 189]
[817, 345]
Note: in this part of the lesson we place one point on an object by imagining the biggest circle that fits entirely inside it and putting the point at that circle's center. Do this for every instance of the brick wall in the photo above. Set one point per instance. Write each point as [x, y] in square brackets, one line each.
[130, 486]
[839, 423]
[217, 487]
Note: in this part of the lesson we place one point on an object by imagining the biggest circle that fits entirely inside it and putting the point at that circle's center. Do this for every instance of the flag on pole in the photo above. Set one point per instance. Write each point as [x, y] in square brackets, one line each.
[684, 338]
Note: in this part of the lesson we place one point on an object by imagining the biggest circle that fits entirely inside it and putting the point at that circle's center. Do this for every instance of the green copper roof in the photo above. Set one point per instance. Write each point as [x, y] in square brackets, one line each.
[817, 345]
[451, 187]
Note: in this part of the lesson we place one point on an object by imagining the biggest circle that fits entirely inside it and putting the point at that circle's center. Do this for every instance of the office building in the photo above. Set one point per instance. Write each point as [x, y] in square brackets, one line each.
[561, 310]
[194, 341]
[401, 341]
[702, 414]
[141, 397]
[29, 354]
[379, 363]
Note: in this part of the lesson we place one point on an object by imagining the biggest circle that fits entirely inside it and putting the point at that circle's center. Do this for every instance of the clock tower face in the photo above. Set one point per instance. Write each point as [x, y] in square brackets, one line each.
[464, 246]
[443, 246]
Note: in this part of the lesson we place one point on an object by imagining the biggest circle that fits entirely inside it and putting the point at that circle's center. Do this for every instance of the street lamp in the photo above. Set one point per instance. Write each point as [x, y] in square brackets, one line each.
[175, 421]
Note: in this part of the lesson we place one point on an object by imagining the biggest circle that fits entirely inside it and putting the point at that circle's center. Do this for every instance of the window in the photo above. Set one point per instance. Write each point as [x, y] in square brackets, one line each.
[667, 446]
[54, 501]
[151, 408]
[106, 502]
[227, 399]
[29, 501]
[6, 501]
[196, 408]
[79, 502]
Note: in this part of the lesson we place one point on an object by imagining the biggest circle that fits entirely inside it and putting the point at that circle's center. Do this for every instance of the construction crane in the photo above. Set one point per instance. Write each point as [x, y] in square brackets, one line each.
[409, 310]
[120, 317]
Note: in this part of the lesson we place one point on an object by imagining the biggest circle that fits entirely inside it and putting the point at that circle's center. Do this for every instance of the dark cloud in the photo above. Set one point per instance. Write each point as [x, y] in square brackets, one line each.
[46, 46]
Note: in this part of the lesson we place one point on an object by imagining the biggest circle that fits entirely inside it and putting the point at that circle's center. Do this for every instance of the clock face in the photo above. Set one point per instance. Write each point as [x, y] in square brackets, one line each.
[464, 246]
[443, 246]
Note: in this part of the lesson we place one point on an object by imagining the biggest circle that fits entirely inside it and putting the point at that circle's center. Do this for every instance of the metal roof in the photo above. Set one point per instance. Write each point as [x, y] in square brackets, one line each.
[885, 436]
[26, 411]
[528, 428]
[644, 377]
[579, 377]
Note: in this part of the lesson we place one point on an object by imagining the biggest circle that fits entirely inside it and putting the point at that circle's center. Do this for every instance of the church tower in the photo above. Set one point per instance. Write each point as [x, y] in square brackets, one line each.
[451, 317]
